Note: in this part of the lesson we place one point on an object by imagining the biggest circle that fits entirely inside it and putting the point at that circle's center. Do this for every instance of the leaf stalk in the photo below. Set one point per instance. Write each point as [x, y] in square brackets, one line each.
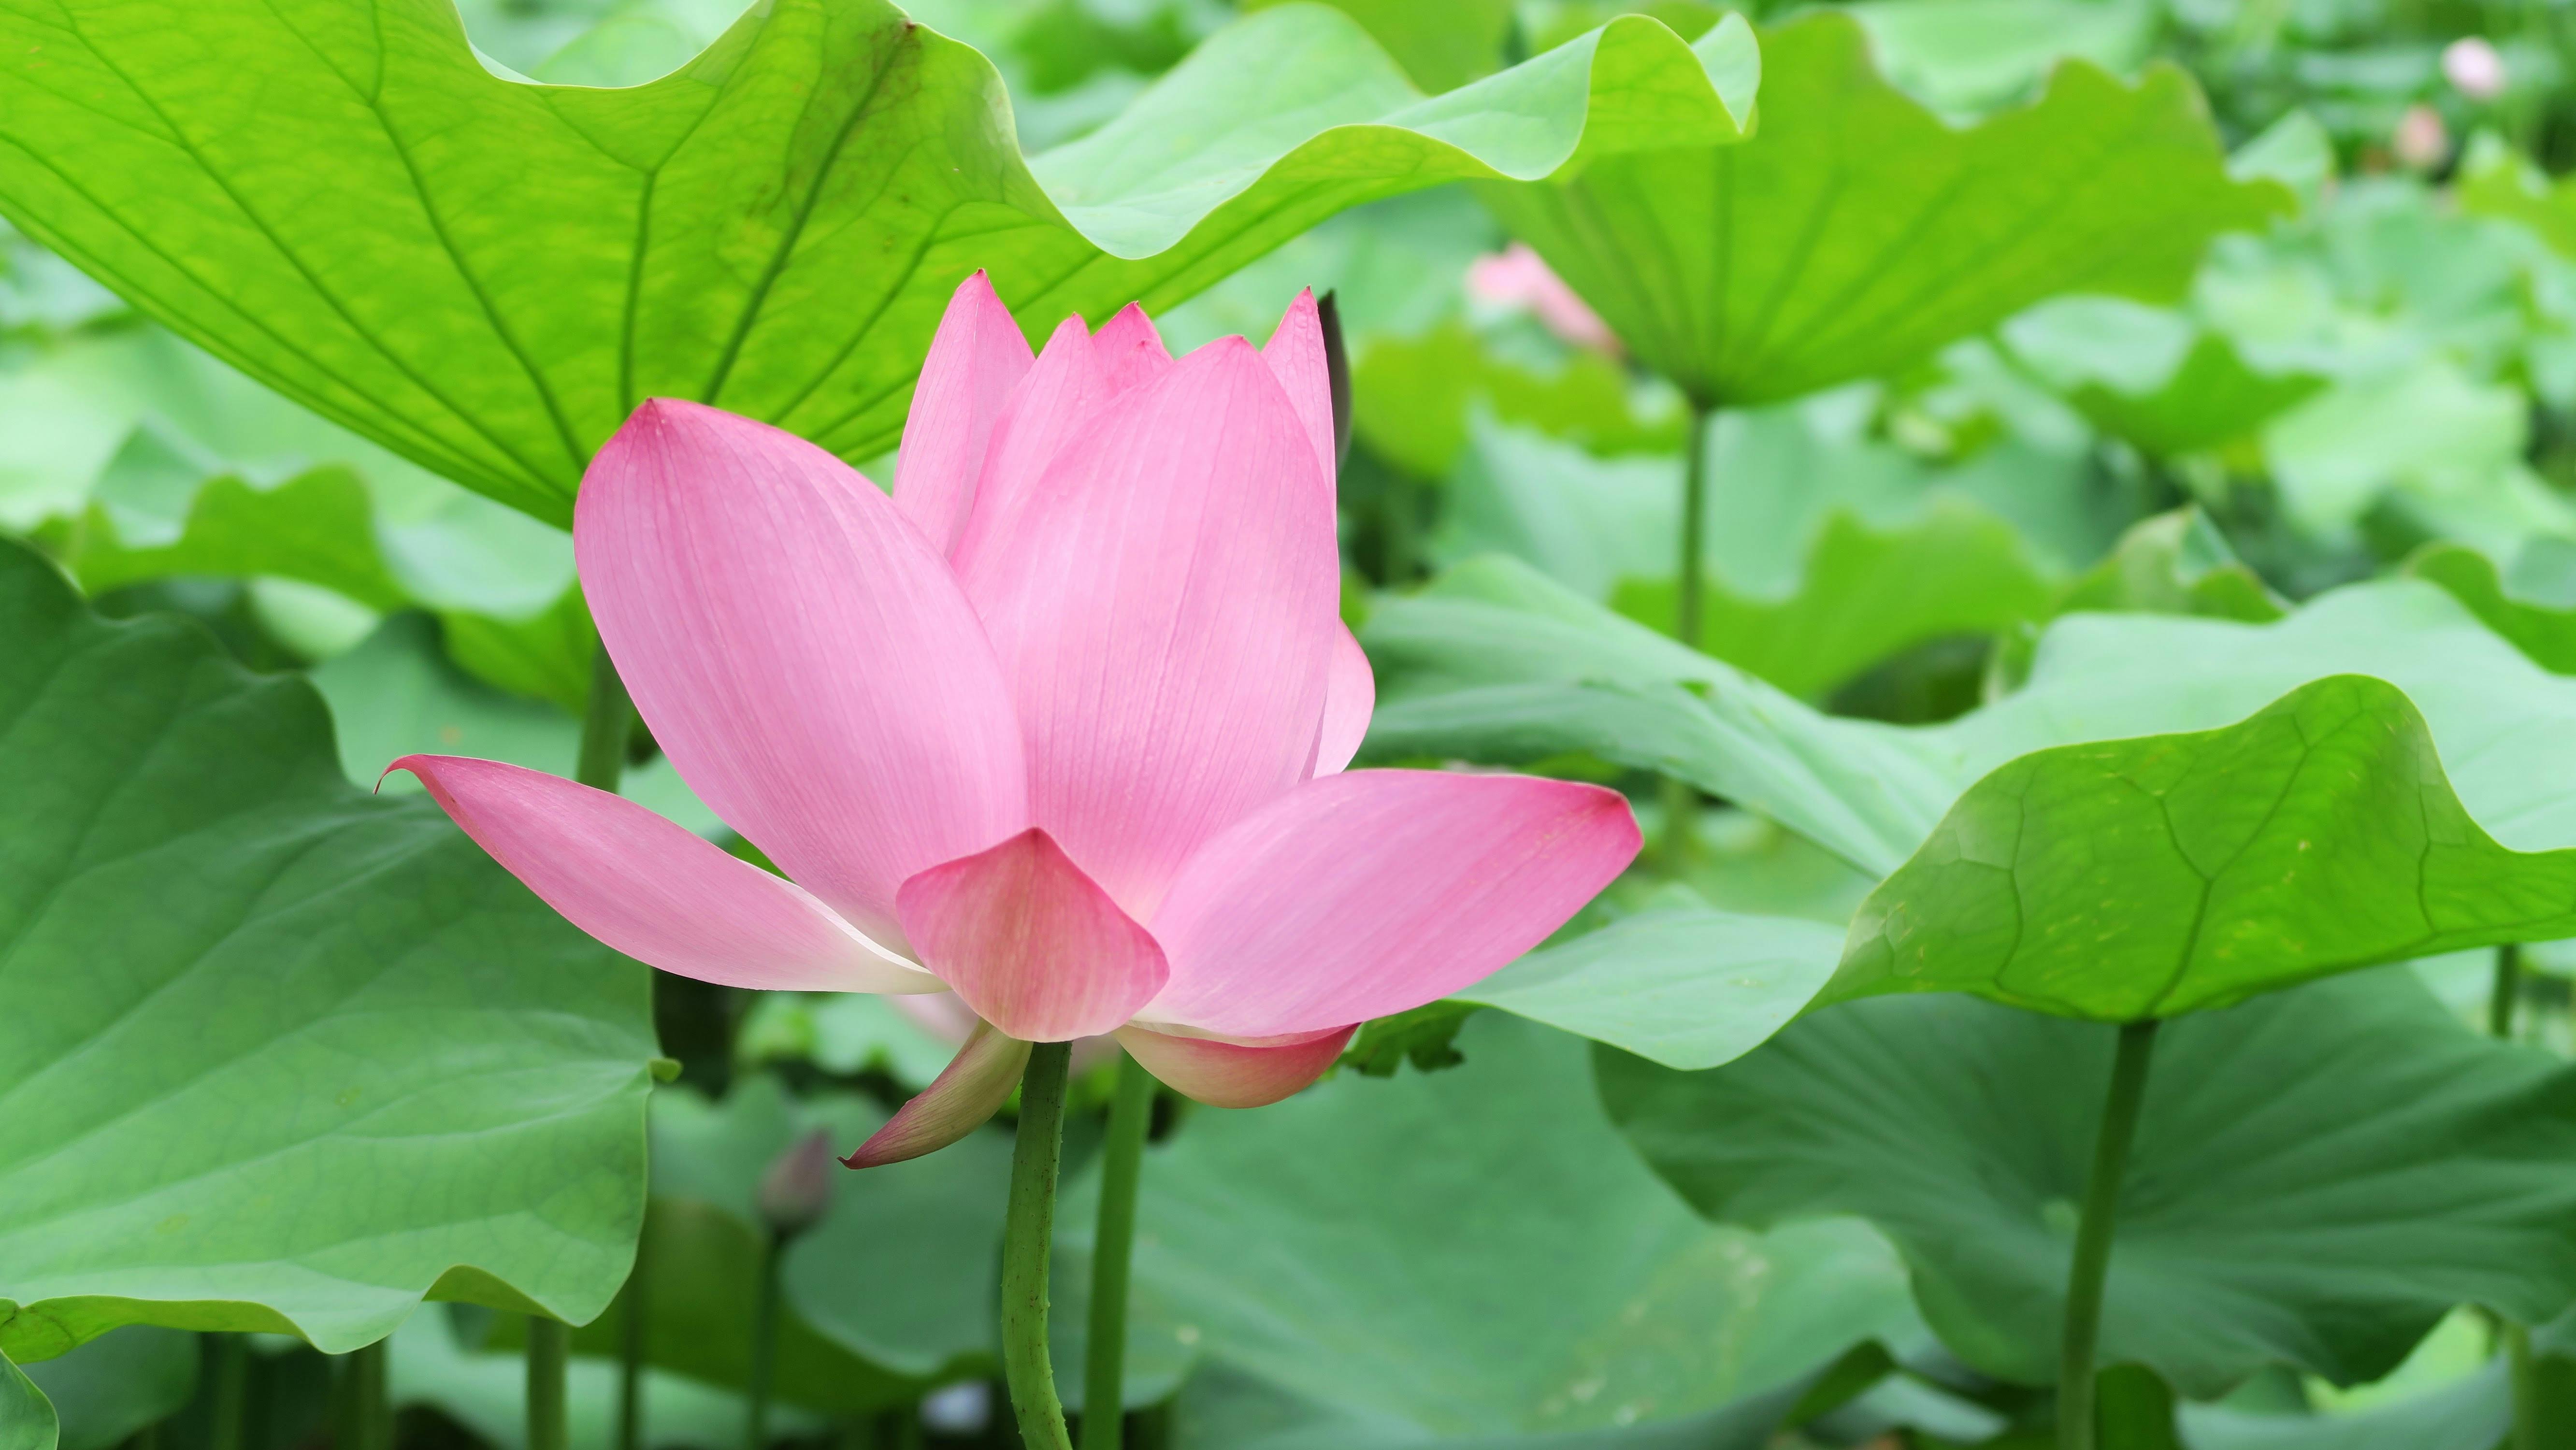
[1113, 1244]
[2093, 1234]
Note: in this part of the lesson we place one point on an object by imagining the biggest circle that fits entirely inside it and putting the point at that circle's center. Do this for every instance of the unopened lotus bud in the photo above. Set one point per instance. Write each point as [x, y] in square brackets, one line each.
[2421, 140]
[797, 1186]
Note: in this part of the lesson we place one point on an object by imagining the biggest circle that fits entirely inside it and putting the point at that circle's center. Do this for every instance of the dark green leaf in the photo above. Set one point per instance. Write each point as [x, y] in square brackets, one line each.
[279, 1056]
[118, 1384]
[1350, 1245]
[2319, 1176]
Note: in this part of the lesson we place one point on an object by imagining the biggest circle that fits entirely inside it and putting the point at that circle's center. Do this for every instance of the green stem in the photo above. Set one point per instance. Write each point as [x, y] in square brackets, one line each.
[1680, 801]
[2093, 1235]
[2526, 1389]
[549, 1355]
[2516, 1340]
[764, 1348]
[1028, 1229]
[370, 1416]
[2508, 990]
[604, 726]
[1122, 1162]
[632, 1319]
[232, 1391]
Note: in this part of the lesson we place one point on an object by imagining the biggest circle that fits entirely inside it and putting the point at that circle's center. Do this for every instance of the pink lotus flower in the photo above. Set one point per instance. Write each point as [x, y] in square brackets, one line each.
[1518, 277]
[1060, 726]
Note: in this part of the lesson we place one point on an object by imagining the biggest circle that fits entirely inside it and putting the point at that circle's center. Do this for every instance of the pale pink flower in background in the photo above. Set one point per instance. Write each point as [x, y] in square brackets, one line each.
[1519, 277]
[1059, 727]
[2421, 140]
[2473, 68]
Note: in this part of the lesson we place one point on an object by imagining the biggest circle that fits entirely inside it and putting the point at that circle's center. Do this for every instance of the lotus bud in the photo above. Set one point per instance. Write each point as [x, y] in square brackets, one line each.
[797, 1186]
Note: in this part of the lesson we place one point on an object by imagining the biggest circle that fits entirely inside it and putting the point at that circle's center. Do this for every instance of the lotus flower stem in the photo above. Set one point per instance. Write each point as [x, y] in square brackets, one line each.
[549, 1355]
[370, 1415]
[604, 727]
[764, 1346]
[632, 1317]
[1681, 802]
[1027, 1233]
[232, 1391]
[2514, 1339]
[2526, 1389]
[2508, 990]
[1122, 1161]
[2093, 1234]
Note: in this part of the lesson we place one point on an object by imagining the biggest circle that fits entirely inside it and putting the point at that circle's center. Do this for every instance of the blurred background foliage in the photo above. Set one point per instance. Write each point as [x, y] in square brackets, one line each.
[2384, 382]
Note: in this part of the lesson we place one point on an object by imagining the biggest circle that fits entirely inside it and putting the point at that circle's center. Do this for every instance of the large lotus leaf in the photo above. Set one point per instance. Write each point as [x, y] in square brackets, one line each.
[2150, 877]
[2318, 1176]
[1964, 57]
[1224, 1407]
[150, 456]
[1413, 401]
[1344, 1245]
[1687, 986]
[2496, 181]
[1859, 233]
[1867, 593]
[2174, 563]
[891, 1290]
[2211, 399]
[2475, 1413]
[2543, 631]
[486, 274]
[1439, 45]
[487, 1392]
[2152, 376]
[1494, 662]
[118, 1384]
[279, 1056]
[397, 694]
[26, 1416]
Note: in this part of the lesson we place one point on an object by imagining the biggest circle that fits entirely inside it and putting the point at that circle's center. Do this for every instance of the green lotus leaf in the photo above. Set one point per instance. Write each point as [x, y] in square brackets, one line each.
[2545, 632]
[1343, 1246]
[2318, 1177]
[2174, 563]
[2211, 400]
[1688, 987]
[1867, 593]
[279, 1056]
[1411, 401]
[2150, 877]
[486, 274]
[2496, 181]
[1439, 45]
[118, 1384]
[891, 1291]
[1493, 662]
[26, 1416]
[486, 1391]
[1965, 57]
[1859, 234]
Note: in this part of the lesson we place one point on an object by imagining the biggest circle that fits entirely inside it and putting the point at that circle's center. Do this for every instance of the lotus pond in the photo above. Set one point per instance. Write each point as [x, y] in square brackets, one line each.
[1370, 725]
